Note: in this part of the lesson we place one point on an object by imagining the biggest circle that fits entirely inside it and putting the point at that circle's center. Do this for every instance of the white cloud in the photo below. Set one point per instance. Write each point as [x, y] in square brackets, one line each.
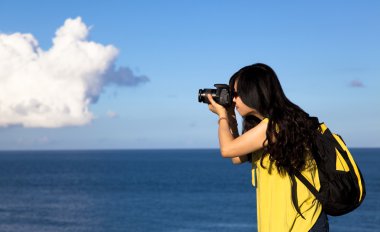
[52, 88]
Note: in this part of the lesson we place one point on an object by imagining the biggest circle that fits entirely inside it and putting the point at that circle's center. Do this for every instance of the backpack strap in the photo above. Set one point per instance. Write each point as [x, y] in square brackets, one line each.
[308, 185]
[312, 189]
[294, 195]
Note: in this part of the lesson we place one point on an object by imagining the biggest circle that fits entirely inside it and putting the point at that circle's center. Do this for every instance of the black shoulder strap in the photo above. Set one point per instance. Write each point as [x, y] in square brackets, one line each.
[312, 189]
[294, 195]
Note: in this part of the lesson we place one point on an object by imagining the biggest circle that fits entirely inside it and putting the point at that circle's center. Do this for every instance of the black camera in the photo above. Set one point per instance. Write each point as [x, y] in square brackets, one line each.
[222, 95]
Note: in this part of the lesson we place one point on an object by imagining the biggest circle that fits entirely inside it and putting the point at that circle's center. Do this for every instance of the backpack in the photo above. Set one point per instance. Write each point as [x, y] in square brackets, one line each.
[342, 185]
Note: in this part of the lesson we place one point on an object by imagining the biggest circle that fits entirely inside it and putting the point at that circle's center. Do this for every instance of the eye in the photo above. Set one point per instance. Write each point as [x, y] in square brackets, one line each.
[235, 94]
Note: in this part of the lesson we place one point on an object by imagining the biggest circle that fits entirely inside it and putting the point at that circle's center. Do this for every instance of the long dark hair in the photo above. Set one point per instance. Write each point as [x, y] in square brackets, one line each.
[291, 131]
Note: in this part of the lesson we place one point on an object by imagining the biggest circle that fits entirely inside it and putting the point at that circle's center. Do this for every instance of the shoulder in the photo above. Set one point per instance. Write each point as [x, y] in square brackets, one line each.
[262, 126]
[258, 132]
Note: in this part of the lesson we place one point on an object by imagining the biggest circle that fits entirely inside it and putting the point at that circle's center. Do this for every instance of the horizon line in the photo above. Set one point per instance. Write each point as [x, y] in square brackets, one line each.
[130, 149]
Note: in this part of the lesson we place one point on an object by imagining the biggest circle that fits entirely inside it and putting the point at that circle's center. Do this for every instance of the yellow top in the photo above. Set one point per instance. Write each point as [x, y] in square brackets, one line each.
[275, 210]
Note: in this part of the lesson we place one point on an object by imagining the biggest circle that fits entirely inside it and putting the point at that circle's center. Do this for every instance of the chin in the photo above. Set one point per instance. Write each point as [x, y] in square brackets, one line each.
[242, 114]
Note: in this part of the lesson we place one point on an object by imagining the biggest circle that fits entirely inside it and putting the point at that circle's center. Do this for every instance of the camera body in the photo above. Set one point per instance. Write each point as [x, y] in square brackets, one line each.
[222, 95]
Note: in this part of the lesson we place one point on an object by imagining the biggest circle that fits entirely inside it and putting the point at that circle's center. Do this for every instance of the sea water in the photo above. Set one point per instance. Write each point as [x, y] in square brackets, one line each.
[146, 190]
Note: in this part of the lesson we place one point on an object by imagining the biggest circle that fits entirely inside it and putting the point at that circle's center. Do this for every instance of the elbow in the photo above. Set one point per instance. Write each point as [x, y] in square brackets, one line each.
[226, 153]
[240, 159]
[236, 161]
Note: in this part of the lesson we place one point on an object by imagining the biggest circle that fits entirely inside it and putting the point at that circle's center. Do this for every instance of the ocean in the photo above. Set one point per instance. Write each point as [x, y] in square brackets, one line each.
[147, 190]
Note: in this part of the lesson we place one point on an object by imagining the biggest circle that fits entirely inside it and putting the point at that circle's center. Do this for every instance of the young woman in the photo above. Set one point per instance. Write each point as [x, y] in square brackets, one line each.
[277, 137]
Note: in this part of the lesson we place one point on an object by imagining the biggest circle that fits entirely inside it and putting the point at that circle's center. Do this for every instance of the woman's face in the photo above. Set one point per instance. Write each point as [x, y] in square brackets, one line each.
[242, 108]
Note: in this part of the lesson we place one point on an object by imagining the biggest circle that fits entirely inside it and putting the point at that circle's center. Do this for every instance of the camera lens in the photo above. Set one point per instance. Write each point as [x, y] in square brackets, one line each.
[202, 95]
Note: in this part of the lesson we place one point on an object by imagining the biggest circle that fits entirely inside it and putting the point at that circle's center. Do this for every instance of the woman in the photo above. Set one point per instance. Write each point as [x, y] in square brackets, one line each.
[277, 137]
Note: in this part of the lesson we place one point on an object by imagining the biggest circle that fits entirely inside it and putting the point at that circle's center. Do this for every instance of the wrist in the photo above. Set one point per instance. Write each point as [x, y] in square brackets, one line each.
[223, 115]
[222, 118]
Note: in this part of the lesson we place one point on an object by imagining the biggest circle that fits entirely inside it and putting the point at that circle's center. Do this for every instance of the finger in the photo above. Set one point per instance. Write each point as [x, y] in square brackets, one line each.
[211, 108]
[211, 99]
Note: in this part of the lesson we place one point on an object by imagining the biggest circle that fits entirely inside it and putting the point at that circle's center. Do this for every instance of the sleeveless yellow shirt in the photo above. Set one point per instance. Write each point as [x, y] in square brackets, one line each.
[275, 210]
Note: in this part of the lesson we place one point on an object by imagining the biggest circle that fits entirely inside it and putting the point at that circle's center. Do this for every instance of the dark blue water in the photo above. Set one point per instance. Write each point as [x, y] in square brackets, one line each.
[146, 190]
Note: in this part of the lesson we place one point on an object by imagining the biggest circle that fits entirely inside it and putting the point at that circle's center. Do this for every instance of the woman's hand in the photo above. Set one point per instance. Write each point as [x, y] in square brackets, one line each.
[216, 108]
[221, 111]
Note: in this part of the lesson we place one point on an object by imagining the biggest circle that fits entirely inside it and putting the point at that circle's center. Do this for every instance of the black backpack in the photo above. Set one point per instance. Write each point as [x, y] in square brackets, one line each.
[342, 186]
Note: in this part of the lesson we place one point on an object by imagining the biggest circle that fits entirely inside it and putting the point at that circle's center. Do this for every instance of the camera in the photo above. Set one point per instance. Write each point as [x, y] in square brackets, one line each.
[222, 95]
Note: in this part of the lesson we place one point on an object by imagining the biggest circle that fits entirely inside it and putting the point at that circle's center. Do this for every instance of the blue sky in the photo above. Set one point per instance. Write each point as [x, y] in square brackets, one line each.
[326, 54]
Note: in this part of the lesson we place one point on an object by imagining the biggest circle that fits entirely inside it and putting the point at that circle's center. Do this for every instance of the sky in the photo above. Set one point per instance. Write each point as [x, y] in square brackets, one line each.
[126, 74]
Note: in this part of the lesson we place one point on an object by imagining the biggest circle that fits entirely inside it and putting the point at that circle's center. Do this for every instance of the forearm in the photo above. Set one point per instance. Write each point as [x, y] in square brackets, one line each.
[227, 133]
[252, 140]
